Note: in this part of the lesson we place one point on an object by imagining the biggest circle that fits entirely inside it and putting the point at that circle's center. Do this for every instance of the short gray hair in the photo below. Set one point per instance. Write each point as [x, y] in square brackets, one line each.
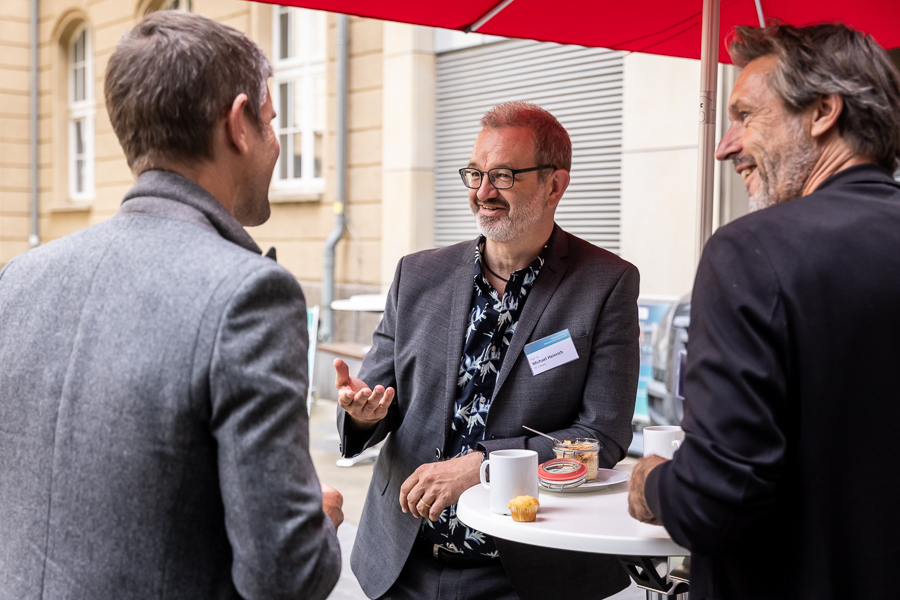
[832, 58]
[172, 78]
[552, 145]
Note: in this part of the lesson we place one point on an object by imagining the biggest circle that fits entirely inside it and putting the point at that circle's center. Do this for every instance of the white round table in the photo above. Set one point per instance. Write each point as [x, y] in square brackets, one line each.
[596, 521]
[361, 303]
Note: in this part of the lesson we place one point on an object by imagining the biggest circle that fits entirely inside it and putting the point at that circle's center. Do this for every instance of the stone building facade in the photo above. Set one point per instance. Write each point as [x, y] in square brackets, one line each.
[391, 176]
[83, 173]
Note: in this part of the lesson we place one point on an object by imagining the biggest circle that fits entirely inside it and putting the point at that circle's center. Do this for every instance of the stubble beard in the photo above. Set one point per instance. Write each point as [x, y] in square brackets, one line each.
[787, 168]
[508, 228]
[254, 208]
[261, 213]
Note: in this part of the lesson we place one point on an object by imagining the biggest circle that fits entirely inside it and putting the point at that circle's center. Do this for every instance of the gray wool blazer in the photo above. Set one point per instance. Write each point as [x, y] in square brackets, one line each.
[417, 349]
[153, 428]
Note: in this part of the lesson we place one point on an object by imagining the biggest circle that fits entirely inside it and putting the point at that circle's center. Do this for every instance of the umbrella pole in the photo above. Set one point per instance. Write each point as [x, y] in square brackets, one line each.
[709, 63]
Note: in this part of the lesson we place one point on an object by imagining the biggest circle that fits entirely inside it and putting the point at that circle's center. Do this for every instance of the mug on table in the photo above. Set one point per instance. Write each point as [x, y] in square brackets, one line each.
[513, 473]
[662, 440]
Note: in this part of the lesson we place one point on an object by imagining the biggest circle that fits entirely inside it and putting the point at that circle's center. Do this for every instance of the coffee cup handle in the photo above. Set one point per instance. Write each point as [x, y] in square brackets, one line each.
[481, 475]
[676, 444]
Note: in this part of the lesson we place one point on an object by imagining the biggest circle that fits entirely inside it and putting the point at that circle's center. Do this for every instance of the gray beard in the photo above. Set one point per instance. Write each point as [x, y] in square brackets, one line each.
[505, 229]
[786, 171]
[499, 229]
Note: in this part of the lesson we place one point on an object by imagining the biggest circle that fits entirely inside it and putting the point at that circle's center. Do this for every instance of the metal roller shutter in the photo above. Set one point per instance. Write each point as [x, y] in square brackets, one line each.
[582, 87]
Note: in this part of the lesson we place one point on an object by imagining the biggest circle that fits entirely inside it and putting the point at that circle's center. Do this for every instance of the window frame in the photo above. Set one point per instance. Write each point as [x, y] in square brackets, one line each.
[303, 69]
[169, 5]
[83, 110]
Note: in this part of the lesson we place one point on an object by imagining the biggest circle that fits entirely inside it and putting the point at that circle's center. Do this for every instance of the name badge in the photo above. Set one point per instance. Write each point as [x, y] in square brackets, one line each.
[550, 352]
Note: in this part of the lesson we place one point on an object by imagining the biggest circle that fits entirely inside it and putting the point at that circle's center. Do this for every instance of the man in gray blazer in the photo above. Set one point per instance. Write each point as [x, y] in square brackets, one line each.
[452, 381]
[153, 427]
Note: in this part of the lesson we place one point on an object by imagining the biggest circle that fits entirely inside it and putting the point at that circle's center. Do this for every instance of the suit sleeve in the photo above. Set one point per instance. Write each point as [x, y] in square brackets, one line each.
[283, 544]
[724, 475]
[610, 387]
[377, 369]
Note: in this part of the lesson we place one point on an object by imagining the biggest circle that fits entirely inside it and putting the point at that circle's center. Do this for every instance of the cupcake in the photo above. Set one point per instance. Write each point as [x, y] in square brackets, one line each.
[524, 508]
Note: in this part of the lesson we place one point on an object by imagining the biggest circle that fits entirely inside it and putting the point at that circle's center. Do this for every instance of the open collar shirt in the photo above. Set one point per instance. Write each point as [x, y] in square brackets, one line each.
[492, 323]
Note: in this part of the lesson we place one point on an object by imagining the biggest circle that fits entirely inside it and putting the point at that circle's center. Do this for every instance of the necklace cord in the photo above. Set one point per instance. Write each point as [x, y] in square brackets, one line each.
[486, 266]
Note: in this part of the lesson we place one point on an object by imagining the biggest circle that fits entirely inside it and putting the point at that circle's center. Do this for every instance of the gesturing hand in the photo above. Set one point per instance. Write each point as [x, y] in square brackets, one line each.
[435, 486]
[366, 407]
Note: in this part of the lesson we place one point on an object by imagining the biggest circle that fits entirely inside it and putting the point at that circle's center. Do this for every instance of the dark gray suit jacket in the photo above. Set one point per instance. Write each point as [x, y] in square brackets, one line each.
[153, 428]
[417, 350]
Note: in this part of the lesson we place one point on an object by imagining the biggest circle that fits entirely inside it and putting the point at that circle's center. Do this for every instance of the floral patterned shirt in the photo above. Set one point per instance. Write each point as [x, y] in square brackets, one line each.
[492, 324]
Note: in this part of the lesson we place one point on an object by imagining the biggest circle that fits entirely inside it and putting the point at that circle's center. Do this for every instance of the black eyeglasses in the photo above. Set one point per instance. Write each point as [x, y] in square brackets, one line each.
[500, 178]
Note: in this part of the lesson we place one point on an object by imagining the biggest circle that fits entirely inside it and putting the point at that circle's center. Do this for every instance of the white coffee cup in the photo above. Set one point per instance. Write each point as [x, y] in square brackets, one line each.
[513, 473]
[662, 440]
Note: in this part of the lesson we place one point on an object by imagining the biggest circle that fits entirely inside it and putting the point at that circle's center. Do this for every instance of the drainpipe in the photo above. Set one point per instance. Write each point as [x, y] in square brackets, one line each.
[33, 238]
[326, 332]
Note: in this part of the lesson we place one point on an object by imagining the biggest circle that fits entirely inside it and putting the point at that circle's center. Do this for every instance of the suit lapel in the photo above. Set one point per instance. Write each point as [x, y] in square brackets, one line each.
[462, 281]
[539, 296]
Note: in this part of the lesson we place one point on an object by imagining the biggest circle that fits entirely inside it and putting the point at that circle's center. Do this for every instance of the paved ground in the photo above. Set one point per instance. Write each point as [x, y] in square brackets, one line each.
[353, 483]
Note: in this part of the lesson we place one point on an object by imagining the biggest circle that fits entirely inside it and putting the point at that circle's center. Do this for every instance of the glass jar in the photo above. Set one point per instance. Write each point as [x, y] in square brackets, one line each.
[584, 450]
[561, 474]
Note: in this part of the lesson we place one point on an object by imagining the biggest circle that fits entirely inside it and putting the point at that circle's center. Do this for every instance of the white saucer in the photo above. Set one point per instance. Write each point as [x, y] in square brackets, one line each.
[605, 477]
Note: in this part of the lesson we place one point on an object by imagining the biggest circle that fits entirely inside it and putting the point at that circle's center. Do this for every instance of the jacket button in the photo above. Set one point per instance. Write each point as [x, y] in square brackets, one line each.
[493, 436]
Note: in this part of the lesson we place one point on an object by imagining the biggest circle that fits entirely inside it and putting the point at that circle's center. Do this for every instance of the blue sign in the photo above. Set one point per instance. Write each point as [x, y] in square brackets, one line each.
[650, 313]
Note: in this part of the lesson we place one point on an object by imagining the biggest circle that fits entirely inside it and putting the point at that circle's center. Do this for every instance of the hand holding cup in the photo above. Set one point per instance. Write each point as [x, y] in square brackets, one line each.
[662, 440]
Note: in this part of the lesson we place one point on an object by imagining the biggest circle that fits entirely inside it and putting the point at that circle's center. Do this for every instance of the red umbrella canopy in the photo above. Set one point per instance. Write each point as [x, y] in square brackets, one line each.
[667, 27]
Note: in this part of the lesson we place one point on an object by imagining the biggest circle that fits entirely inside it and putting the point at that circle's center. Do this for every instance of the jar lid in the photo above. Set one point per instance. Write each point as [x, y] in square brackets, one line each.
[583, 444]
[562, 472]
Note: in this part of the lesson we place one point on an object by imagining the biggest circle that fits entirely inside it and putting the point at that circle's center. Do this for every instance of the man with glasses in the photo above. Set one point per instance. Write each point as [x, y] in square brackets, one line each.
[453, 377]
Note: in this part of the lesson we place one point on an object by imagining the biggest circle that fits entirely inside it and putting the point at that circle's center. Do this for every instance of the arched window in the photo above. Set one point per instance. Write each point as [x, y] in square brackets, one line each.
[299, 97]
[81, 117]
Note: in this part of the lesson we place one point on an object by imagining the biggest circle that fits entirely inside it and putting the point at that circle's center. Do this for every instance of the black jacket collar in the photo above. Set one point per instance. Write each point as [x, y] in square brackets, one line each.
[858, 173]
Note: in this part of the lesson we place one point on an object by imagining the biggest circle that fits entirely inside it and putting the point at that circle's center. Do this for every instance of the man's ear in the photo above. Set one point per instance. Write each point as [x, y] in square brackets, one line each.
[236, 126]
[557, 182]
[825, 112]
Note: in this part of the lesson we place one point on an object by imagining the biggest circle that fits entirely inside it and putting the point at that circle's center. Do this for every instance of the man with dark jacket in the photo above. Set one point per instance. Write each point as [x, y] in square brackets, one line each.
[454, 346]
[783, 487]
[153, 433]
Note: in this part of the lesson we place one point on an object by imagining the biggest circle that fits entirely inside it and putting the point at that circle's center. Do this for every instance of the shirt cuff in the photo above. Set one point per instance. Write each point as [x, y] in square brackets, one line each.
[651, 491]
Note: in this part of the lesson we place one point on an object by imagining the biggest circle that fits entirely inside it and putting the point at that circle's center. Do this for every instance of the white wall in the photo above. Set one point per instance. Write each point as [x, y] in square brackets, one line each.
[407, 148]
[659, 170]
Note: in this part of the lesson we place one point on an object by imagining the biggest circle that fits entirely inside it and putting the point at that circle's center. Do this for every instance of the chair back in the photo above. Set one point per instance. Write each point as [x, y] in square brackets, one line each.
[312, 327]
